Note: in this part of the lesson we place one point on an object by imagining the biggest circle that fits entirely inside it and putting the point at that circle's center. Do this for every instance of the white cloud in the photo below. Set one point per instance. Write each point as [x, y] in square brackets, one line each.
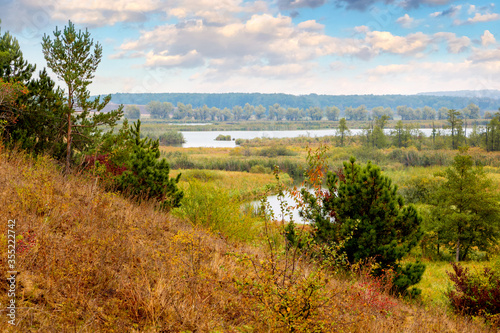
[406, 21]
[433, 76]
[455, 44]
[478, 18]
[481, 55]
[310, 25]
[362, 29]
[472, 9]
[487, 38]
[109, 12]
[387, 42]
[163, 59]
[262, 39]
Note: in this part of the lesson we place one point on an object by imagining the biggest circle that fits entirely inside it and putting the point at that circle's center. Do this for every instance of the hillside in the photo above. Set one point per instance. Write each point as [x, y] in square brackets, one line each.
[91, 261]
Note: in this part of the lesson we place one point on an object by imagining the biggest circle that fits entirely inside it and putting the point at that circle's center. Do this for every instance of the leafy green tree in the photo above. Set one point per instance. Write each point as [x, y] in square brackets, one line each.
[146, 177]
[467, 212]
[292, 114]
[380, 111]
[15, 74]
[362, 207]
[240, 114]
[168, 107]
[332, 113]
[315, 113]
[379, 138]
[359, 113]
[260, 112]
[488, 115]
[442, 113]
[428, 113]
[404, 112]
[471, 111]
[342, 131]
[492, 133]
[156, 110]
[248, 111]
[455, 127]
[70, 56]
[132, 112]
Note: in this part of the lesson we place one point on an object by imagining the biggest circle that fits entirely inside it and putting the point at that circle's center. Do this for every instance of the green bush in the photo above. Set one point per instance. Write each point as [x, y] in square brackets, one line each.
[419, 189]
[222, 137]
[172, 137]
[214, 208]
[260, 169]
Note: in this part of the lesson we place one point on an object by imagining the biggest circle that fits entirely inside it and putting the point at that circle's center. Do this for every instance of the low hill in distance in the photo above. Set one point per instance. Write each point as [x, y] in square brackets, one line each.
[485, 93]
[230, 100]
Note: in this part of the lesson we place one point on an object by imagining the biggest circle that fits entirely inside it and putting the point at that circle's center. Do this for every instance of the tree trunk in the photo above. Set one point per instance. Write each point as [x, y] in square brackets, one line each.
[457, 254]
[68, 143]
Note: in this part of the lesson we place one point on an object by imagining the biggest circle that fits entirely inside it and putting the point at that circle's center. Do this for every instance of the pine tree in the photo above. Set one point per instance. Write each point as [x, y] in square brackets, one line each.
[40, 127]
[13, 68]
[147, 177]
[362, 207]
[70, 56]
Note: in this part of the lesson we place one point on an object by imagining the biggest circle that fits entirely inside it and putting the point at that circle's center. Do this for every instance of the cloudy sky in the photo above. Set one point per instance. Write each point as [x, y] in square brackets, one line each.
[283, 46]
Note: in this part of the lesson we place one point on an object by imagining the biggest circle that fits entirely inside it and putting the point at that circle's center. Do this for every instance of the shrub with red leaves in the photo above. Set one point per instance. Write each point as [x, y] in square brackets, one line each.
[103, 159]
[476, 294]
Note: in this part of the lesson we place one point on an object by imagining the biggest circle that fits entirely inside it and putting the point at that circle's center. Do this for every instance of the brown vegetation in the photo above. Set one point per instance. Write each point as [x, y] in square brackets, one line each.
[91, 261]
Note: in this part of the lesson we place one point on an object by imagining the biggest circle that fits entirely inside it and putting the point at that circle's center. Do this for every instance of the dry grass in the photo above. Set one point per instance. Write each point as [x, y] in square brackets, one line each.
[101, 263]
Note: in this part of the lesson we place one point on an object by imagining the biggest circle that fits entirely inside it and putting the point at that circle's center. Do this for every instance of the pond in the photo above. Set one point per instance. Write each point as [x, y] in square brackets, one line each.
[274, 204]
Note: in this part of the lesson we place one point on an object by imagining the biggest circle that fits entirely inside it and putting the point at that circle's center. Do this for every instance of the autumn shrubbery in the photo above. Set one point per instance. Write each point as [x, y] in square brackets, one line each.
[476, 294]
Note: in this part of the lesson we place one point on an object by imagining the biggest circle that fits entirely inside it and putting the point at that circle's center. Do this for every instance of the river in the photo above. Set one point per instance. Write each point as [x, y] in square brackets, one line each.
[207, 138]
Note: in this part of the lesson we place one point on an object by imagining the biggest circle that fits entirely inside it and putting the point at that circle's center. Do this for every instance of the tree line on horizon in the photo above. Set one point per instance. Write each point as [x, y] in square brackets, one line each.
[276, 112]
[230, 100]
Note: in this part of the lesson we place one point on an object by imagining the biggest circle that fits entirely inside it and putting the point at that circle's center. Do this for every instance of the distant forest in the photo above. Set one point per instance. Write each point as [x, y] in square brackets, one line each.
[230, 100]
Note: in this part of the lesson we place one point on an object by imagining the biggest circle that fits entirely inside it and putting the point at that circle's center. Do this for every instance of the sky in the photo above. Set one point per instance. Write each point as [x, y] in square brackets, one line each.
[332, 47]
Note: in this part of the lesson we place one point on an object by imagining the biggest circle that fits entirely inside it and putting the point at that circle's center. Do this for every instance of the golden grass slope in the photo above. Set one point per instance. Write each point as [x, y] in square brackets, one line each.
[101, 263]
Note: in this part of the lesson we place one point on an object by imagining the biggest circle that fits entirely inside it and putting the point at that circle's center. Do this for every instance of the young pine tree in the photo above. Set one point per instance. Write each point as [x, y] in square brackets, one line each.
[147, 177]
[363, 208]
